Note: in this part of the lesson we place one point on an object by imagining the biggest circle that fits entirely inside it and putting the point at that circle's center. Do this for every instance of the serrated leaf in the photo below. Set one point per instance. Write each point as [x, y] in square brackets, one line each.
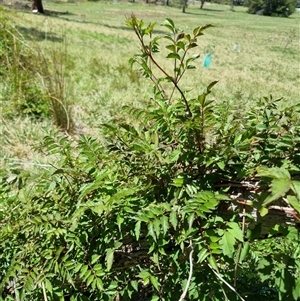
[228, 242]
[279, 187]
[151, 230]
[191, 190]
[222, 197]
[221, 165]
[90, 280]
[162, 251]
[48, 286]
[294, 202]
[174, 156]
[29, 283]
[155, 258]
[214, 245]
[273, 173]
[97, 267]
[156, 225]
[154, 282]
[83, 270]
[173, 219]
[99, 284]
[165, 224]
[156, 210]
[296, 188]
[236, 231]
[134, 284]
[178, 182]
[212, 261]
[98, 209]
[78, 267]
[202, 255]
[144, 274]
[87, 275]
[95, 258]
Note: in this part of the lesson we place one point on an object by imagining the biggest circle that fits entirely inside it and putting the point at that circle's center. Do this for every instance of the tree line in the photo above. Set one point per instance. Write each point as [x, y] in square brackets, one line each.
[283, 8]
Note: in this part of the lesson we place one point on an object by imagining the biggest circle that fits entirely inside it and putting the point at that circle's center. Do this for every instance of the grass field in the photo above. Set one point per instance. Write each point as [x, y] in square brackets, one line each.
[99, 79]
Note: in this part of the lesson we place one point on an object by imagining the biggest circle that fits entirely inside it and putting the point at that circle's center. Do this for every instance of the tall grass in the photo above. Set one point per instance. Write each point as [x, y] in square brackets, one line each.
[32, 87]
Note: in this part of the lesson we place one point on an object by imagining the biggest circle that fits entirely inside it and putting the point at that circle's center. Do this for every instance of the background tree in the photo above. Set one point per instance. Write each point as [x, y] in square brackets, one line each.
[184, 5]
[282, 8]
[37, 5]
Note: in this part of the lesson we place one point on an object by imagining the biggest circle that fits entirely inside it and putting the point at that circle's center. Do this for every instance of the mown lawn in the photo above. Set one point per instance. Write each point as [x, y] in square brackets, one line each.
[99, 80]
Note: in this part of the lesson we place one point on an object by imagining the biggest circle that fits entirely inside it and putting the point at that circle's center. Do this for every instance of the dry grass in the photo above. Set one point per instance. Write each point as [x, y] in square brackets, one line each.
[100, 81]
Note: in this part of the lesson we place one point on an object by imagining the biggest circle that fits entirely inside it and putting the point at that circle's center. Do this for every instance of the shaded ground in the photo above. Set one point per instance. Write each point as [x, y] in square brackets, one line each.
[26, 6]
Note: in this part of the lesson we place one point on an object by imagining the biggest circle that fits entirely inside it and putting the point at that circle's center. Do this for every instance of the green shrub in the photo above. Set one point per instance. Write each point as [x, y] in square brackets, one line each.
[157, 210]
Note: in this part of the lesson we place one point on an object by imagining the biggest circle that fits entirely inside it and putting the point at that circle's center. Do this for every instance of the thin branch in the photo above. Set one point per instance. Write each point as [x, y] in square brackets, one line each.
[172, 80]
[224, 281]
[240, 200]
[44, 291]
[240, 246]
[286, 210]
[190, 273]
[149, 54]
[224, 293]
[242, 184]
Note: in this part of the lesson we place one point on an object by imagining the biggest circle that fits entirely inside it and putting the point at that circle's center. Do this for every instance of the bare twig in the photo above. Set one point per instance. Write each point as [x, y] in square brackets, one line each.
[44, 291]
[224, 281]
[190, 273]
[286, 210]
[240, 247]
[240, 200]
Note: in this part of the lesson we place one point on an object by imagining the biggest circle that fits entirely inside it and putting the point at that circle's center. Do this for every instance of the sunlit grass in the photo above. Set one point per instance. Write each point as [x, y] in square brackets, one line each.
[100, 81]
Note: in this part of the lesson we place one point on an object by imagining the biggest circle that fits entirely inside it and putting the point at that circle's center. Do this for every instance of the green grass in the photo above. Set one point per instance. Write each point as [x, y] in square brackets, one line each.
[99, 80]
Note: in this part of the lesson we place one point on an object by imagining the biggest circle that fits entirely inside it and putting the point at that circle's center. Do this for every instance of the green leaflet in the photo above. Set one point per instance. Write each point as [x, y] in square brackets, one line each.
[228, 243]
[294, 201]
[109, 258]
[279, 187]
